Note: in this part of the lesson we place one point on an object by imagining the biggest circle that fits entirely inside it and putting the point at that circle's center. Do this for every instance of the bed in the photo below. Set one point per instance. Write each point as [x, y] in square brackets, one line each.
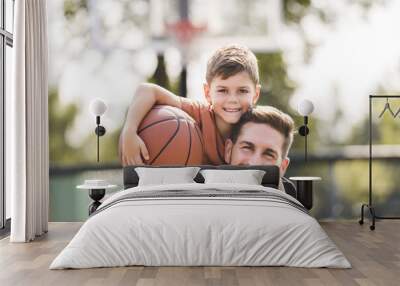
[201, 224]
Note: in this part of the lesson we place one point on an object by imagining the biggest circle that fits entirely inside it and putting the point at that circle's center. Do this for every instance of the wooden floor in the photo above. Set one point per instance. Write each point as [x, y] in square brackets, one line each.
[374, 255]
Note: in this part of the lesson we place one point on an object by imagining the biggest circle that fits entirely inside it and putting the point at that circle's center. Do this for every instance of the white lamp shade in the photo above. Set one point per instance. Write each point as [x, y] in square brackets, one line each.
[97, 107]
[305, 107]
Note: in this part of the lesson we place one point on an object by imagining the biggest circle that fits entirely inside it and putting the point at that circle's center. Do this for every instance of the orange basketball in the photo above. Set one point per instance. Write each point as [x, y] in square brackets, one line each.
[171, 136]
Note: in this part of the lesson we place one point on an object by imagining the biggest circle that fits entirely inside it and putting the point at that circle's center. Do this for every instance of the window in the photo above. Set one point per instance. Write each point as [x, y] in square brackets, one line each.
[6, 44]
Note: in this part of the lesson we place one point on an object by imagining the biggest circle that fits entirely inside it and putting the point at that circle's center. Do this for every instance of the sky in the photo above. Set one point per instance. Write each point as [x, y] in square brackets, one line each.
[353, 56]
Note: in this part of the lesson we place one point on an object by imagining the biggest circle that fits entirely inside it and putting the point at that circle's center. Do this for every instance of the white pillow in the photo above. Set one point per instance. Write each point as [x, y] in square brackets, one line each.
[250, 177]
[163, 176]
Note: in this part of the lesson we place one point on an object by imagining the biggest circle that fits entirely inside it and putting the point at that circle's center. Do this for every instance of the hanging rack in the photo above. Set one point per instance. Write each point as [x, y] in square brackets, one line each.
[387, 107]
[370, 205]
[397, 113]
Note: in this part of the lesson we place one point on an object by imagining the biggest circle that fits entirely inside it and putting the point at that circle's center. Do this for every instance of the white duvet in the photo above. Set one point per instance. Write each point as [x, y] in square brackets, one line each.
[182, 231]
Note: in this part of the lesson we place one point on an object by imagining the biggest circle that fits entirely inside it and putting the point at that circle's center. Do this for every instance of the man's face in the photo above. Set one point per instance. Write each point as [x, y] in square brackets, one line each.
[231, 97]
[257, 144]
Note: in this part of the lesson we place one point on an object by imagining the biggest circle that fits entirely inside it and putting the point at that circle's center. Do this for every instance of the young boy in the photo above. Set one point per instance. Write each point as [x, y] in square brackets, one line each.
[232, 87]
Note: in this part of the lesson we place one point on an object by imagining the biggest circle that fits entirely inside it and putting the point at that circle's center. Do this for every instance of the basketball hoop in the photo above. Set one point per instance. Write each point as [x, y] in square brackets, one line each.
[184, 32]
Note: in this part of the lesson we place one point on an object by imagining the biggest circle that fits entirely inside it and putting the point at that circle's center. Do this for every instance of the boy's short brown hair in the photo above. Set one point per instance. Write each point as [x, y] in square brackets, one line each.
[230, 60]
[280, 121]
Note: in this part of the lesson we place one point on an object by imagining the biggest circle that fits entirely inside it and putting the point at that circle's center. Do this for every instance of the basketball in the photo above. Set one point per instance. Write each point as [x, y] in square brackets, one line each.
[171, 136]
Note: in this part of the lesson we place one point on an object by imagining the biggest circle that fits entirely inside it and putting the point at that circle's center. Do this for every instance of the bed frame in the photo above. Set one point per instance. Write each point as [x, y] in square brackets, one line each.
[270, 179]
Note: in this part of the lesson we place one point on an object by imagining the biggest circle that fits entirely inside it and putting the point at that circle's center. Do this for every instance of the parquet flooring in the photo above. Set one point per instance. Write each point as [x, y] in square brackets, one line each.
[374, 255]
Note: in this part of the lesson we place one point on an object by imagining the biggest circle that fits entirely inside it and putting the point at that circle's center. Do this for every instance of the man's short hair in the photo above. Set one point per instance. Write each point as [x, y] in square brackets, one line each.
[230, 60]
[280, 121]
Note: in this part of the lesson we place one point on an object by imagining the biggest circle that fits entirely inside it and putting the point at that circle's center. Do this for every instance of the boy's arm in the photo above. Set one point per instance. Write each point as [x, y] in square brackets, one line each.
[146, 96]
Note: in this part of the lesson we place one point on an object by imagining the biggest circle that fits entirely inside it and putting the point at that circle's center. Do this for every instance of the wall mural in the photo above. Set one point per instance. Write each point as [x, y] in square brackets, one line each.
[227, 127]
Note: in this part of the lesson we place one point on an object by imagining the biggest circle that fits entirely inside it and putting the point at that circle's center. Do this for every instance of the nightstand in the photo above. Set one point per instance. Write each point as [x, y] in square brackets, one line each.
[97, 190]
[304, 190]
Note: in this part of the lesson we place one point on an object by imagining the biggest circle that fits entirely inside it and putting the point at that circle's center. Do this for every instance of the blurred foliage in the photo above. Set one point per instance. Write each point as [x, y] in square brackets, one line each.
[385, 130]
[353, 177]
[161, 78]
[160, 75]
[61, 119]
[353, 181]
[71, 7]
[276, 86]
[108, 147]
[276, 90]
[295, 10]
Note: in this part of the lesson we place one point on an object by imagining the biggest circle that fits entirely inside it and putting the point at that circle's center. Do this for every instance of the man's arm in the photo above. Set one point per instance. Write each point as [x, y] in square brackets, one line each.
[146, 96]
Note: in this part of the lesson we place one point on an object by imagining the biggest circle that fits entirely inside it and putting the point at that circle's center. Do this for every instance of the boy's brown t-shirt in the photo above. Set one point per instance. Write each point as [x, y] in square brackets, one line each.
[214, 144]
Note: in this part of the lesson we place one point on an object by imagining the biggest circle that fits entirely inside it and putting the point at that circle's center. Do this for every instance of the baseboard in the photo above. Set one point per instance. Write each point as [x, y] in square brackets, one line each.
[5, 231]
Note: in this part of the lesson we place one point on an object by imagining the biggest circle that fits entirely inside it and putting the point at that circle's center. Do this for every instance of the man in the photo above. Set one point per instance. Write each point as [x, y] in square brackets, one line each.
[262, 136]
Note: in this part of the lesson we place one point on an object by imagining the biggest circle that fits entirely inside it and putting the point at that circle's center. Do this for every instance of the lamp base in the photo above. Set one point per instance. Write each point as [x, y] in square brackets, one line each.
[96, 195]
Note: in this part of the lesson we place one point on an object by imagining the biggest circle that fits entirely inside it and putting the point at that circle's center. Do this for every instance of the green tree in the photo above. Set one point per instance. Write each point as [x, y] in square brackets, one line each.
[276, 86]
[61, 119]
[160, 75]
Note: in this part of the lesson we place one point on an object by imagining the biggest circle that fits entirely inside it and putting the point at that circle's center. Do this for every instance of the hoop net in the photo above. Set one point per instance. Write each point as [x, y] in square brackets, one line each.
[184, 32]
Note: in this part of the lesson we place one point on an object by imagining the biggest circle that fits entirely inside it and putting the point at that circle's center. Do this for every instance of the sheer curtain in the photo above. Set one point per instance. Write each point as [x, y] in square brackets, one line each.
[27, 124]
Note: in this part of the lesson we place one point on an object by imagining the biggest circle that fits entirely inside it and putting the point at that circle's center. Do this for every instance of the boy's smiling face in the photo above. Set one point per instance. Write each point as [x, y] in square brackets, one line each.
[231, 97]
